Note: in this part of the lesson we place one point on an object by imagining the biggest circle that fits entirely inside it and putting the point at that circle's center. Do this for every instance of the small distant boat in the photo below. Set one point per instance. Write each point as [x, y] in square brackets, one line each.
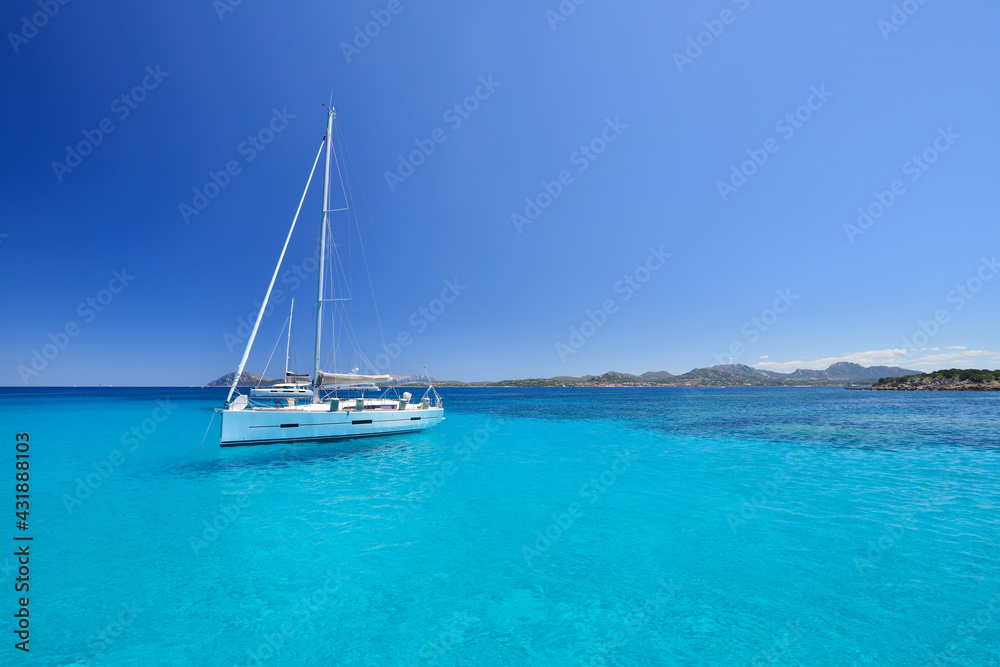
[308, 408]
[283, 390]
[295, 386]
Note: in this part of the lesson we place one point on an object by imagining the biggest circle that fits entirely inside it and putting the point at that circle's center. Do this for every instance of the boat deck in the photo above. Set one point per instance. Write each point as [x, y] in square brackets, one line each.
[348, 405]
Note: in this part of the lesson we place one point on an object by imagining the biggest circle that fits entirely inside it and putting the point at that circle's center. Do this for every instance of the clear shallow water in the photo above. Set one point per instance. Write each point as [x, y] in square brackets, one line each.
[616, 526]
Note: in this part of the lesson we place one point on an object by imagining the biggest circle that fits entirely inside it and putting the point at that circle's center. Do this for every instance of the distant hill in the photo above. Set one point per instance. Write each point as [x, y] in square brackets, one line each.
[739, 375]
[836, 374]
[845, 371]
[613, 377]
[657, 376]
[567, 378]
[246, 380]
[729, 372]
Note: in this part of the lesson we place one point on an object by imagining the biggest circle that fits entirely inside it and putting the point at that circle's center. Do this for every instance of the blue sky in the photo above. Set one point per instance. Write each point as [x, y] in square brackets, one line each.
[739, 138]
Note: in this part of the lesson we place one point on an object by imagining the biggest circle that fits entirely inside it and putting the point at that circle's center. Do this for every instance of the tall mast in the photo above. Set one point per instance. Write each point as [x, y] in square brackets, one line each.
[322, 252]
[288, 345]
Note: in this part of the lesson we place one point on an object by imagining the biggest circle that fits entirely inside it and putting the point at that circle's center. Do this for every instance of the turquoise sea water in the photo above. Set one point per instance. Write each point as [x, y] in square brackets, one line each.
[533, 527]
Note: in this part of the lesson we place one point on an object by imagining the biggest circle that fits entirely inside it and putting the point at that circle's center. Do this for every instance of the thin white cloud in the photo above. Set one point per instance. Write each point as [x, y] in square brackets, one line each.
[964, 357]
[957, 347]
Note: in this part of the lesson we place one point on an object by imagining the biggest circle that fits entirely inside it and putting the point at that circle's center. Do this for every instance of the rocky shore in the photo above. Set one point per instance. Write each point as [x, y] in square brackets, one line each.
[949, 380]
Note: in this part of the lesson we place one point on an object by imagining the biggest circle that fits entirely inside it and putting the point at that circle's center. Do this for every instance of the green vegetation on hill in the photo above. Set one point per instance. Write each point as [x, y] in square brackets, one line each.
[974, 375]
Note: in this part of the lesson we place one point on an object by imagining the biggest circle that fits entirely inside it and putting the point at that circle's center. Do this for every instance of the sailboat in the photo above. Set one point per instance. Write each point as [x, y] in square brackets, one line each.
[308, 408]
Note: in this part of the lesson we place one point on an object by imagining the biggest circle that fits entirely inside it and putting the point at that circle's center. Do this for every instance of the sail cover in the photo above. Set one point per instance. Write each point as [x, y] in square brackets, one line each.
[326, 379]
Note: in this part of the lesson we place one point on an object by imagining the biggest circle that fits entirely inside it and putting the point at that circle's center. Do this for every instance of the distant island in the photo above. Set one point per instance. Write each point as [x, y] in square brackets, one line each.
[727, 375]
[953, 379]
[246, 380]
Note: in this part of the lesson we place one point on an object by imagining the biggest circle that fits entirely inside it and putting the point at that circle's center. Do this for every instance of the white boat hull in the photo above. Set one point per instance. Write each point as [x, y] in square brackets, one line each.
[307, 424]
